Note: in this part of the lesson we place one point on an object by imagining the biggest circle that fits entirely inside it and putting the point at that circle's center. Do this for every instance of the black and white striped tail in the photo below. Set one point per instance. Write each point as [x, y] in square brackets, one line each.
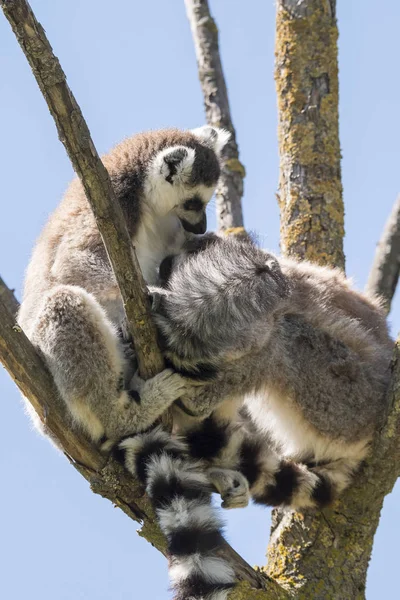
[272, 480]
[181, 495]
[296, 485]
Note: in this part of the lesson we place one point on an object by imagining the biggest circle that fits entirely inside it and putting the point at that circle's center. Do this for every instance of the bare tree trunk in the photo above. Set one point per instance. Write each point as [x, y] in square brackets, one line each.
[324, 554]
[385, 270]
[310, 188]
[230, 187]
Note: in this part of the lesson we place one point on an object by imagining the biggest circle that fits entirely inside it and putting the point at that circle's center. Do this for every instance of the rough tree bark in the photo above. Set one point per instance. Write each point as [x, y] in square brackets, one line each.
[230, 188]
[321, 555]
[310, 188]
[8, 298]
[385, 269]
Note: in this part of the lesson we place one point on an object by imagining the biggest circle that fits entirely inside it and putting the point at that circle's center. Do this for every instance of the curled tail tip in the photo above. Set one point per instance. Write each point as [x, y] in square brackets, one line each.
[298, 487]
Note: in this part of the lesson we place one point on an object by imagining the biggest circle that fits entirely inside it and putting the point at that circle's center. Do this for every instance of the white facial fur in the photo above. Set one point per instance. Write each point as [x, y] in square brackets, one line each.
[170, 171]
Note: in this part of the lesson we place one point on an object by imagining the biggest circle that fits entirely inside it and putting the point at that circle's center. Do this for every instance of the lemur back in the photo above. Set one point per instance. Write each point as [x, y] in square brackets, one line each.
[71, 306]
[309, 355]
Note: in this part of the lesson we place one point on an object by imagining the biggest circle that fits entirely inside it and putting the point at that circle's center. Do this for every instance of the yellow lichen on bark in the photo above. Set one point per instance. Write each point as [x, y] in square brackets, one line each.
[310, 189]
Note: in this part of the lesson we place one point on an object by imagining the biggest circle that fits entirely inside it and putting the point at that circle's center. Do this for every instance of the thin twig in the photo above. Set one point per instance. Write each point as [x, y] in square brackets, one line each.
[205, 36]
[74, 134]
[385, 269]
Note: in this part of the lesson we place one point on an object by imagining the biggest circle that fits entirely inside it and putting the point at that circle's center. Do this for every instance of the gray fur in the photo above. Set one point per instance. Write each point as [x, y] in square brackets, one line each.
[310, 355]
[71, 303]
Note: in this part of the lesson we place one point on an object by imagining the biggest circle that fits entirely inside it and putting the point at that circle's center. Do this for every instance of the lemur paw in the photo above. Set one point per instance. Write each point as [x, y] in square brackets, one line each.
[171, 384]
[168, 384]
[231, 485]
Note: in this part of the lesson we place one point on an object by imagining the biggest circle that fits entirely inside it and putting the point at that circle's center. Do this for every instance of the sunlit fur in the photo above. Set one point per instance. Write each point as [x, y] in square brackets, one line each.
[309, 355]
[71, 304]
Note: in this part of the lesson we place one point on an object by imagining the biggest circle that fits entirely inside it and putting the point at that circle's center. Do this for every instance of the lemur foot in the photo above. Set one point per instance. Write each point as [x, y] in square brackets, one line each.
[231, 485]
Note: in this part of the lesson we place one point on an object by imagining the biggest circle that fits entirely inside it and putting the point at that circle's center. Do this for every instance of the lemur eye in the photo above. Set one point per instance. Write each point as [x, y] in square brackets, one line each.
[194, 203]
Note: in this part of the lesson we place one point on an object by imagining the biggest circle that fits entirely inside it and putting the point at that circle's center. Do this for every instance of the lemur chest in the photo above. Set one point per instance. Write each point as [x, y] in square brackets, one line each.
[156, 239]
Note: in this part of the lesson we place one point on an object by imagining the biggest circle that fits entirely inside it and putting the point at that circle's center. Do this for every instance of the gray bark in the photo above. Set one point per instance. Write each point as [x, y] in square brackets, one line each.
[310, 187]
[8, 298]
[205, 36]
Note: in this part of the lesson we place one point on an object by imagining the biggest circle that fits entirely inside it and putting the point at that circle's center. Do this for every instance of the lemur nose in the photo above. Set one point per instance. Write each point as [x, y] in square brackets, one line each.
[200, 227]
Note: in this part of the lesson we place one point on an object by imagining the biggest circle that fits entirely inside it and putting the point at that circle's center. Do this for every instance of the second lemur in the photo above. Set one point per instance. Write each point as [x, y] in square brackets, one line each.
[309, 355]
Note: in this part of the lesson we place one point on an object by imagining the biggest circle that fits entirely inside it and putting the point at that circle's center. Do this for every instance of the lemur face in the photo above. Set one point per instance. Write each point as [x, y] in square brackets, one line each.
[184, 175]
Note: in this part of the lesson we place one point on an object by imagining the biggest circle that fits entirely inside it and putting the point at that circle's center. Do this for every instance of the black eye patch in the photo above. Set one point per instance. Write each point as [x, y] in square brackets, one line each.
[194, 203]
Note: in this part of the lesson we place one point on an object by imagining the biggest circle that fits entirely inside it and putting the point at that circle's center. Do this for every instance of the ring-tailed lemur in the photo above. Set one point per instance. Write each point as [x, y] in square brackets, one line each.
[71, 304]
[310, 355]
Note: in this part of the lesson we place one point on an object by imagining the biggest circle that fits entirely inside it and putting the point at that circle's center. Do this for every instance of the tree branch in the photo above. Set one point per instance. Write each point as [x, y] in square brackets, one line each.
[310, 188]
[324, 554]
[106, 476]
[74, 134]
[230, 187]
[385, 269]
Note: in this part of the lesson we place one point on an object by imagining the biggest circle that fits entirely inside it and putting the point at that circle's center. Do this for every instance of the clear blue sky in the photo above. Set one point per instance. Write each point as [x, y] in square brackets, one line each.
[132, 67]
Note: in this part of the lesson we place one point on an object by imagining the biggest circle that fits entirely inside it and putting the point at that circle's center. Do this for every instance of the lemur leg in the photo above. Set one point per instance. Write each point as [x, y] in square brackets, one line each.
[83, 353]
[217, 441]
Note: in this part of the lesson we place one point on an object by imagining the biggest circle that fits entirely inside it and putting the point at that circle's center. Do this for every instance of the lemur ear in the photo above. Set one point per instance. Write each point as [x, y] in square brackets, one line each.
[213, 137]
[176, 163]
